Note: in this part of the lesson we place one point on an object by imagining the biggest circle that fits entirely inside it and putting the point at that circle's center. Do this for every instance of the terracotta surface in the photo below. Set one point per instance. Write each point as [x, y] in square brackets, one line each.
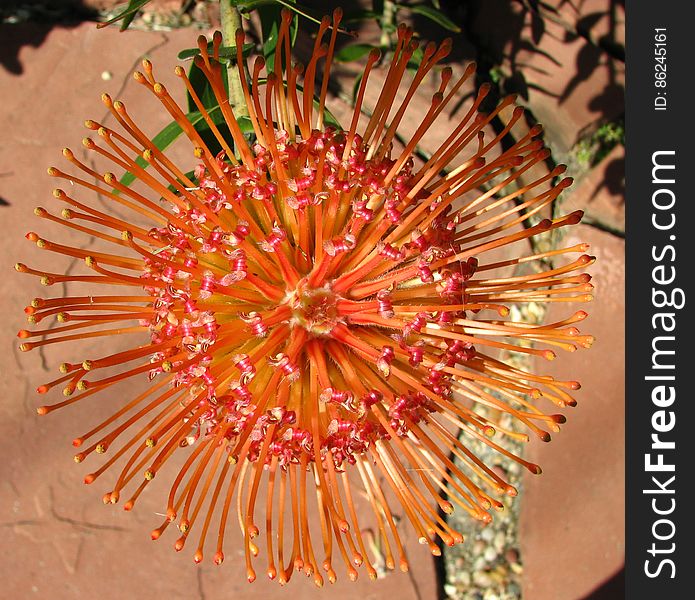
[60, 542]
[572, 519]
[568, 84]
[601, 193]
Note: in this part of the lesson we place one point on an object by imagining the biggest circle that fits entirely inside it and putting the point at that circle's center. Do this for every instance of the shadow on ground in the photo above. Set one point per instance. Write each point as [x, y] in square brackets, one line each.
[28, 22]
[611, 589]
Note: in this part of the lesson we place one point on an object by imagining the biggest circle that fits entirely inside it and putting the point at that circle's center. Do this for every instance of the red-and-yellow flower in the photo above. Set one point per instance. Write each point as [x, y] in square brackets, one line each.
[314, 312]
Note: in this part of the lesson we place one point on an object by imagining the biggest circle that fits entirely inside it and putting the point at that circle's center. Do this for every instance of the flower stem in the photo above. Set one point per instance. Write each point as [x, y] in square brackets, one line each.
[231, 22]
[387, 23]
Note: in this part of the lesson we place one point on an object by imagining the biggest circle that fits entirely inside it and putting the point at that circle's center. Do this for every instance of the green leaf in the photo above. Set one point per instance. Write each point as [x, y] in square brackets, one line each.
[228, 52]
[211, 141]
[165, 138]
[270, 16]
[127, 14]
[415, 59]
[356, 87]
[173, 130]
[432, 14]
[294, 29]
[202, 87]
[250, 5]
[329, 117]
[190, 175]
[352, 52]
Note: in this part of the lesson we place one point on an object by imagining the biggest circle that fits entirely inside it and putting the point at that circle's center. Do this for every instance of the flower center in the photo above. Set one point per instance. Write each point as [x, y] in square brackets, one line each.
[314, 309]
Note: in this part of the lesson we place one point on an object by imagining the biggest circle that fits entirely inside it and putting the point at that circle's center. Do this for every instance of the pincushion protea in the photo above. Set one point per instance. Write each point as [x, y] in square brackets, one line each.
[319, 312]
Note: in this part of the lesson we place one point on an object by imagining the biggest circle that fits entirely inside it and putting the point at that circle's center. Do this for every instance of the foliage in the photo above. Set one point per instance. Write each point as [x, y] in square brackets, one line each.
[592, 149]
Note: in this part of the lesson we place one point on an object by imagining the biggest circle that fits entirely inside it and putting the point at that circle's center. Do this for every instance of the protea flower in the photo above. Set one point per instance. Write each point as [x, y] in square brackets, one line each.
[315, 313]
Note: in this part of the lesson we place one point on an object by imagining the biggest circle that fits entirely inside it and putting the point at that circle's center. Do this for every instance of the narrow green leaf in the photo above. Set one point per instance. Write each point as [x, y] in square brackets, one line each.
[127, 14]
[202, 87]
[352, 52]
[161, 141]
[329, 117]
[356, 87]
[188, 175]
[269, 28]
[415, 60]
[245, 125]
[250, 5]
[294, 29]
[228, 52]
[270, 16]
[432, 14]
[173, 130]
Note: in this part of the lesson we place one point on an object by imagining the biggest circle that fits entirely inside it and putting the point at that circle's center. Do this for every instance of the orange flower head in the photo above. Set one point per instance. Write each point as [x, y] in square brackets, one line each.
[316, 312]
